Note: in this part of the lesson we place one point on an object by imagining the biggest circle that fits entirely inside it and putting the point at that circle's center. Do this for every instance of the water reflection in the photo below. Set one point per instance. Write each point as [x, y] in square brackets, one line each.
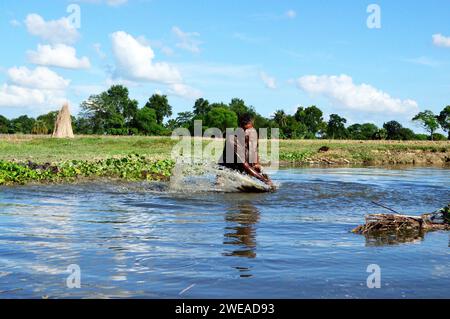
[132, 240]
[240, 233]
[394, 238]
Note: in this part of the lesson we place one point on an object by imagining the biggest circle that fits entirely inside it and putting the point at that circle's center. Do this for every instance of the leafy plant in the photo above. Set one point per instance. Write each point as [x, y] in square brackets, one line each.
[132, 168]
[295, 156]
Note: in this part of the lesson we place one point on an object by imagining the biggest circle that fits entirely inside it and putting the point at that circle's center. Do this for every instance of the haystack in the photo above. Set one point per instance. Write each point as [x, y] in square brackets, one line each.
[63, 124]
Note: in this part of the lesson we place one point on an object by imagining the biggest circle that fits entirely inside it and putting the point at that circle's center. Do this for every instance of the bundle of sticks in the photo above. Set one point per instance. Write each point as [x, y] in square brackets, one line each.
[397, 223]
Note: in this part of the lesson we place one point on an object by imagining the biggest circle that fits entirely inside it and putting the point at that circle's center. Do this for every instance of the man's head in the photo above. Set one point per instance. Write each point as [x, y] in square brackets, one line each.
[246, 121]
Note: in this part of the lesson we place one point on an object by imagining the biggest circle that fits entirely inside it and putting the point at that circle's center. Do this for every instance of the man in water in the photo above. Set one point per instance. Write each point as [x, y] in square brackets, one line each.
[240, 152]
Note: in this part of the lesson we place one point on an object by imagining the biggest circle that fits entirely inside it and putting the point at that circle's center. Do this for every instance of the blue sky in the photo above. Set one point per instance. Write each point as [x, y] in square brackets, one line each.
[273, 54]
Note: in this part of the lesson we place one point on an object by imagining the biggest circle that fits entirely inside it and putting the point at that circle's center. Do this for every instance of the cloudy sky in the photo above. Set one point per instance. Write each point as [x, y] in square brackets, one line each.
[273, 54]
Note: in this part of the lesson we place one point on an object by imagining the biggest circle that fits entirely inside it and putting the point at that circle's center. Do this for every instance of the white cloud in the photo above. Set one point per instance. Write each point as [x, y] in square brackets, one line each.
[269, 81]
[17, 96]
[187, 40]
[166, 50]
[363, 97]
[157, 44]
[291, 14]
[53, 31]
[134, 61]
[440, 40]
[39, 78]
[40, 89]
[59, 55]
[184, 91]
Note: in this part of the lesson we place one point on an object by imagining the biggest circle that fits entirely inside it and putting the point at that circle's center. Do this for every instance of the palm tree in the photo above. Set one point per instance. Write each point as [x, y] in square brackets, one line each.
[280, 118]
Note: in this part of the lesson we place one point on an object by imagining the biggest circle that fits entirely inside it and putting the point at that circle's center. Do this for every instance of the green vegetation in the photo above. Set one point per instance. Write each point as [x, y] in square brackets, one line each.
[444, 120]
[27, 158]
[428, 120]
[113, 112]
[365, 152]
[130, 168]
[295, 156]
[41, 149]
[111, 126]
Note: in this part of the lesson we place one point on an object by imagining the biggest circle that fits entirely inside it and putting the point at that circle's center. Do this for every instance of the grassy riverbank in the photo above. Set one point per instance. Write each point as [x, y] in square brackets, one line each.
[42, 149]
[27, 158]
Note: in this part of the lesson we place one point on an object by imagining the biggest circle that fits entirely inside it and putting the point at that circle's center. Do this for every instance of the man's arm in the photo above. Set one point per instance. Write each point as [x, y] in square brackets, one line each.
[252, 171]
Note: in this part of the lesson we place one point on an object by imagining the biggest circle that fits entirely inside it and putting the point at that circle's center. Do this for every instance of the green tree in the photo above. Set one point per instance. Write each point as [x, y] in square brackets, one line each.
[393, 130]
[115, 124]
[439, 137]
[4, 125]
[260, 121]
[48, 119]
[222, 118]
[39, 127]
[22, 124]
[428, 121]
[95, 112]
[118, 98]
[184, 119]
[368, 130]
[380, 134]
[82, 126]
[294, 129]
[444, 120]
[110, 112]
[201, 107]
[364, 131]
[146, 122]
[161, 105]
[219, 104]
[312, 117]
[421, 137]
[238, 106]
[406, 134]
[280, 117]
[336, 127]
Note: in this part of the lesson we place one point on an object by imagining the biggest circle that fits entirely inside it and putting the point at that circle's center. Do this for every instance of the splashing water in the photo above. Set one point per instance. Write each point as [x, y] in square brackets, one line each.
[203, 176]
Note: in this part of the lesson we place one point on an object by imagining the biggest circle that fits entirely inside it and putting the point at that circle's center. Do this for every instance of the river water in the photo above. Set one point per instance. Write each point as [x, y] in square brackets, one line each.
[143, 241]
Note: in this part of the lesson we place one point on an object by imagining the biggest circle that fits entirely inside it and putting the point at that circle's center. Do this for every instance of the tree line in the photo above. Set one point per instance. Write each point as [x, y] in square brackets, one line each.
[113, 112]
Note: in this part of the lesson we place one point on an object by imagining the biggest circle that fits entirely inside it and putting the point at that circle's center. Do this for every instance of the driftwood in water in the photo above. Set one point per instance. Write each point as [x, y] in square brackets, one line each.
[380, 224]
